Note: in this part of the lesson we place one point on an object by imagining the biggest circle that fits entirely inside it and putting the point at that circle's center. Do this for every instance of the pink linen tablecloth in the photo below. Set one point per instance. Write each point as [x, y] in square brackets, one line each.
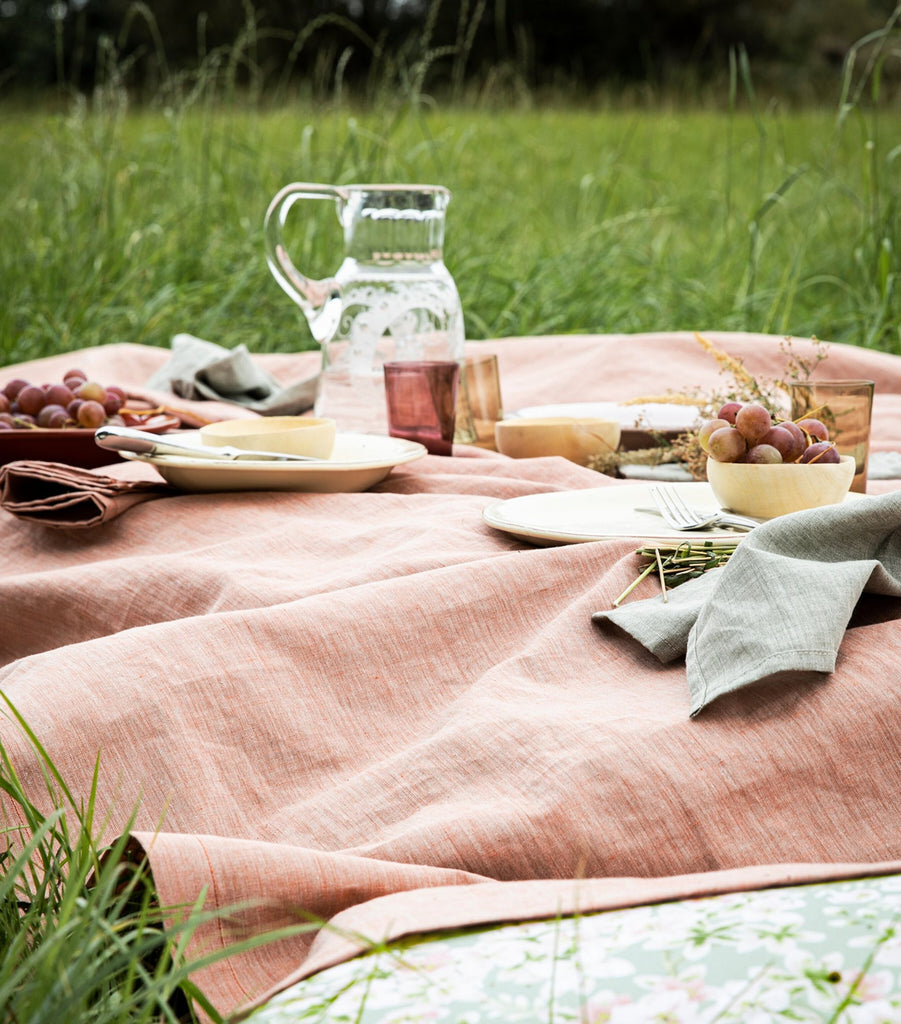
[319, 700]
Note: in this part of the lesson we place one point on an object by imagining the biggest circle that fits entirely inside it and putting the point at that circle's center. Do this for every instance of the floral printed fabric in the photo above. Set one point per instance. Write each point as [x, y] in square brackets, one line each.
[818, 953]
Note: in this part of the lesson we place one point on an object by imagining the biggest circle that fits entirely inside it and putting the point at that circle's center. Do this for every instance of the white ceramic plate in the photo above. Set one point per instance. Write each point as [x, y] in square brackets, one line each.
[602, 513]
[648, 416]
[357, 462]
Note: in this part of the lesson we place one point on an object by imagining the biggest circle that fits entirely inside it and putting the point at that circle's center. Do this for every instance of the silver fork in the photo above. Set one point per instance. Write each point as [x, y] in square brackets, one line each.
[677, 514]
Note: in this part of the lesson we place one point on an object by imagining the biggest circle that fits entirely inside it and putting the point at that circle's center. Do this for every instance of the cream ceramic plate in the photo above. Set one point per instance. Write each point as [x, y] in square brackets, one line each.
[649, 416]
[357, 462]
[601, 513]
[608, 513]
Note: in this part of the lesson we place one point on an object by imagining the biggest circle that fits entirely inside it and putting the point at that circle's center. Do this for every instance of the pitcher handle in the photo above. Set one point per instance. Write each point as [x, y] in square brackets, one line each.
[310, 294]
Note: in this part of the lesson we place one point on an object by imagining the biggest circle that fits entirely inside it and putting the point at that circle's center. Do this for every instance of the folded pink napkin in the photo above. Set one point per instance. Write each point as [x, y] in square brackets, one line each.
[66, 497]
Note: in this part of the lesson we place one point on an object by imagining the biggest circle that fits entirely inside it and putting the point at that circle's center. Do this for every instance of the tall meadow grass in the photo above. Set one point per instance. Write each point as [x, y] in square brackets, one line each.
[127, 222]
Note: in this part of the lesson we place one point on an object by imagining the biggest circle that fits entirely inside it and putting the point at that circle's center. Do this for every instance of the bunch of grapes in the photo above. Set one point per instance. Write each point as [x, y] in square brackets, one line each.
[746, 433]
[75, 402]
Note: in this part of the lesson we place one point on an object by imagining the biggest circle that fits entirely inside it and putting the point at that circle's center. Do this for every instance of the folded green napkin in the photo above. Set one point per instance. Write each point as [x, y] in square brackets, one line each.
[780, 604]
[201, 369]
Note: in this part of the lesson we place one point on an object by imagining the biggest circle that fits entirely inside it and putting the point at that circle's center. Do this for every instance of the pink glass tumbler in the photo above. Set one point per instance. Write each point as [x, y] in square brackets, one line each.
[421, 397]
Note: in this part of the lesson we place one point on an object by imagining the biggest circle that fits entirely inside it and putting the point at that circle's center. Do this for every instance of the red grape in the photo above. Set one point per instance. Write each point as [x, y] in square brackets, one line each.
[13, 387]
[753, 420]
[112, 404]
[91, 414]
[91, 391]
[800, 440]
[728, 411]
[707, 428]
[726, 445]
[783, 441]
[49, 411]
[821, 451]
[814, 428]
[31, 399]
[763, 454]
[58, 394]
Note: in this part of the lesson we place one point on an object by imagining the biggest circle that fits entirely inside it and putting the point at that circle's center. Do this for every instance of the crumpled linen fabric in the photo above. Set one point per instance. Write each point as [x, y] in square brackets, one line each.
[313, 700]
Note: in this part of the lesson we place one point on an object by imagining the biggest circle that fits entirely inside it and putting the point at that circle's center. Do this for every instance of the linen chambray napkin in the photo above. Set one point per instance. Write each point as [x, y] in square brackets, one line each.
[66, 497]
[200, 369]
[780, 604]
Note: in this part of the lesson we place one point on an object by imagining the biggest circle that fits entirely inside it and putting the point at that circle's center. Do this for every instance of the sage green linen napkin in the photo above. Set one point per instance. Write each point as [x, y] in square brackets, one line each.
[780, 604]
[200, 369]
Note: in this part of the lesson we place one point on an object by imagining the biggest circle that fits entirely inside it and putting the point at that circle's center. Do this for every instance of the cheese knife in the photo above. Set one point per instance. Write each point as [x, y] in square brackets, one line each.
[140, 442]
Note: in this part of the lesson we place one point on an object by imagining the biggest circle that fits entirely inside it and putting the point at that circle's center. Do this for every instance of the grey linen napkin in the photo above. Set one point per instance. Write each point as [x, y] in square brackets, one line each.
[200, 369]
[780, 604]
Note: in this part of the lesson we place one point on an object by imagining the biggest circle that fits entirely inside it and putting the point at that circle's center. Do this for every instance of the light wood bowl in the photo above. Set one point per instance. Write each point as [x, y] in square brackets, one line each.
[293, 435]
[575, 438]
[769, 491]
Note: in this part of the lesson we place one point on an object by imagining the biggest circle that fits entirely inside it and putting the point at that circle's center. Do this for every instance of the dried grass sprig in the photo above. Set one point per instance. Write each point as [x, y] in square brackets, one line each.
[609, 462]
[730, 364]
[678, 565]
[796, 367]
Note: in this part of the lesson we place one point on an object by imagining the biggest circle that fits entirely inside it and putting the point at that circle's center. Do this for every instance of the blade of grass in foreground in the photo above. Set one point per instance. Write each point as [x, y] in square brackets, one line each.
[83, 935]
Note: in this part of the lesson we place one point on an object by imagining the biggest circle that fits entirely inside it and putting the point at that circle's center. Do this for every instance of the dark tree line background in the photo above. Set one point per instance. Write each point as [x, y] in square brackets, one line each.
[571, 43]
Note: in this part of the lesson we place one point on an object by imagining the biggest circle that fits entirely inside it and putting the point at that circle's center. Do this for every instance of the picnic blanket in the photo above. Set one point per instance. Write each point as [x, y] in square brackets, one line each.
[317, 700]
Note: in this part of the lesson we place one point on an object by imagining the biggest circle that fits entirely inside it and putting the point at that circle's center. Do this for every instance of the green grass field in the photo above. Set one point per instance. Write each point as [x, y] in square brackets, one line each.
[130, 225]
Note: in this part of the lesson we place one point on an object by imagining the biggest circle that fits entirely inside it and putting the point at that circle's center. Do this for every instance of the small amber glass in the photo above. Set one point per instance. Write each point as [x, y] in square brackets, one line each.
[479, 404]
[845, 407]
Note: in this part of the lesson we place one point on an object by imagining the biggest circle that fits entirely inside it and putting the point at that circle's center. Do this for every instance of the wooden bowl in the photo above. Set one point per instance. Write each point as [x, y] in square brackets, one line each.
[776, 490]
[72, 446]
[575, 438]
[293, 435]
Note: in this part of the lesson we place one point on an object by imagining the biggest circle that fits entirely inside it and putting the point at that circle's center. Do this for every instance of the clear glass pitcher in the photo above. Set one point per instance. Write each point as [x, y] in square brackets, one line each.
[392, 297]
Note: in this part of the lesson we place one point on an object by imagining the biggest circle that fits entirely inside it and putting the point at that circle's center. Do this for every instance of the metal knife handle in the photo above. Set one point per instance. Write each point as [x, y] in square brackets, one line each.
[125, 439]
[128, 439]
[141, 443]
